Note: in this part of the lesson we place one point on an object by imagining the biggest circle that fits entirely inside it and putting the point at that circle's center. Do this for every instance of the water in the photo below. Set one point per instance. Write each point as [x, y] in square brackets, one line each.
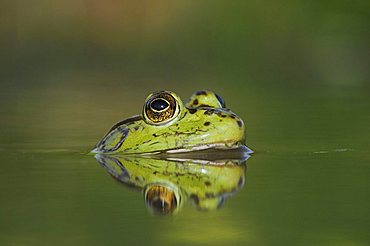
[306, 184]
[296, 72]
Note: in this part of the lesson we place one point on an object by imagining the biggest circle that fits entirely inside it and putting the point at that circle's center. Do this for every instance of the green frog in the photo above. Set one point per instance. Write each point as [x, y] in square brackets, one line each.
[168, 126]
[167, 184]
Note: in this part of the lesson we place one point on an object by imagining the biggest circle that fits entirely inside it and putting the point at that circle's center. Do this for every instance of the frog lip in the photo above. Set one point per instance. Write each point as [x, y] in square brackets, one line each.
[200, 147]
[210, 151]
[204, 151]
[212, 156]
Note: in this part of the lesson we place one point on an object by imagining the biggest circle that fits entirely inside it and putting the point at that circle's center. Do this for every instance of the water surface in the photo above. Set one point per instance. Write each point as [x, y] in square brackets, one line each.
[306, 184]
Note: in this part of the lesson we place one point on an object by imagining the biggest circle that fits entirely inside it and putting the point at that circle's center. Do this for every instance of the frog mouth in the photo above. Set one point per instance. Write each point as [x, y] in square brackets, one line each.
[117, 135]
[214, 155]
[209, 146]
[101, 149]
[217, 151]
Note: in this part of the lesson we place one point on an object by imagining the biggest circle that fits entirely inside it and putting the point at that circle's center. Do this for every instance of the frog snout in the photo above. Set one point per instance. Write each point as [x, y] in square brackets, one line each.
[112, 141]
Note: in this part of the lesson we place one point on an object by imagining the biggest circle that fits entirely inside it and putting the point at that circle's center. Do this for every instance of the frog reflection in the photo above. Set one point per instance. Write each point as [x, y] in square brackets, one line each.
[168, 184]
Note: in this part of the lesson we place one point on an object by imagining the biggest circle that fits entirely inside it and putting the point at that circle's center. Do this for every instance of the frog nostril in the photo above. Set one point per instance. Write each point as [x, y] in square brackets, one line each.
[240, 123]
[220, 100]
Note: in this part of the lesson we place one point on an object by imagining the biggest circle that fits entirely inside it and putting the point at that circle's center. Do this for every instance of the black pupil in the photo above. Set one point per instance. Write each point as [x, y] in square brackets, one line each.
[159, 104]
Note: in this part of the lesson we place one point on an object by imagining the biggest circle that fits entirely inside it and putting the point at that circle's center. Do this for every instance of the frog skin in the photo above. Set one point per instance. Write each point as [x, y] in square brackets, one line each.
[166, 125]
[168, 184]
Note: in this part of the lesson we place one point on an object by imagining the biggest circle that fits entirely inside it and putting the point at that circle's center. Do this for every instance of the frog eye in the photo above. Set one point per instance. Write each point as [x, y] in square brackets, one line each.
[160, 107]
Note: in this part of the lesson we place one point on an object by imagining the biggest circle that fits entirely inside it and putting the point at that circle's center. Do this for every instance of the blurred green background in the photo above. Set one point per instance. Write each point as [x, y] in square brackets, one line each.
[297, 72]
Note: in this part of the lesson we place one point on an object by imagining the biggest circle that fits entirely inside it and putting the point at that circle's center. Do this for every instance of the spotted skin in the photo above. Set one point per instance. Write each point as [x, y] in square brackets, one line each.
[205, 98]
[201, 123]
[206, 186]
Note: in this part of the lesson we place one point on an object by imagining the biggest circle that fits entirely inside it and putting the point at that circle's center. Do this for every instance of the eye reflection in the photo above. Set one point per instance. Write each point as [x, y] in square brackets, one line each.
[161, 199]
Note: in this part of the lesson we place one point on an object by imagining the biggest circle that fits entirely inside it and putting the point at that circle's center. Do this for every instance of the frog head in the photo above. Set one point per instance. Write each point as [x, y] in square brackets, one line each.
[166, 125]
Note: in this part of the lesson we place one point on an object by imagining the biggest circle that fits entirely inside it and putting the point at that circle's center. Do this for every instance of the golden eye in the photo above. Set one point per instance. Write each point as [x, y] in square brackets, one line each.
[160, 108]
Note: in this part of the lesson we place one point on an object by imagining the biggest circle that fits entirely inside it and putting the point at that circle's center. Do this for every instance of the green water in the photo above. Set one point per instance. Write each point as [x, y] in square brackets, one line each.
[307, 183]
[296, 72]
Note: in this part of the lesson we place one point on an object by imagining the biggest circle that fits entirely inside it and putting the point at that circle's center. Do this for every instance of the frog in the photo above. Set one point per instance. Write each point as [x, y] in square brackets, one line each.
[167, 184]
[167, 125]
